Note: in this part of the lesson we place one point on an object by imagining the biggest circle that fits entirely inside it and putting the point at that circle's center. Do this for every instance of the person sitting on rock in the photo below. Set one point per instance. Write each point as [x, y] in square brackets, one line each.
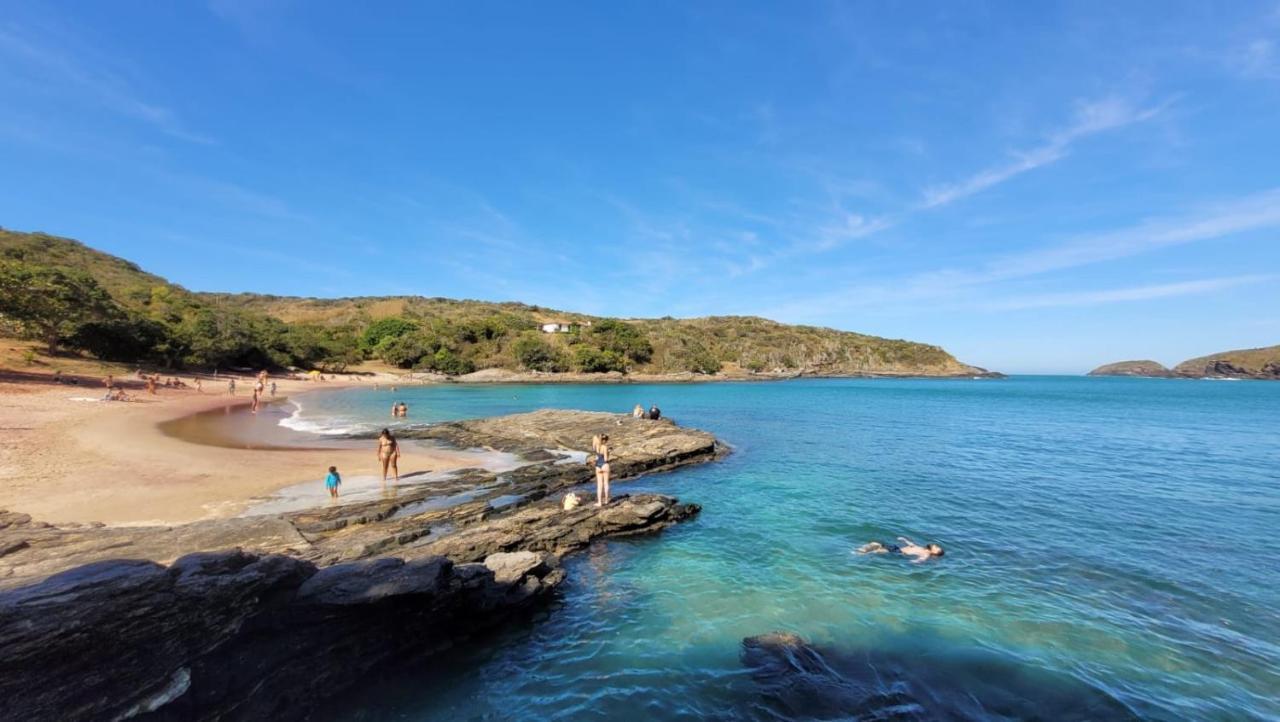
[654, 412]
[908, 549]
[637, 412]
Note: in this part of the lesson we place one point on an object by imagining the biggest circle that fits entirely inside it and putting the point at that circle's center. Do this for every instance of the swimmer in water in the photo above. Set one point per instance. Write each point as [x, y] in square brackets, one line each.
[907, 549]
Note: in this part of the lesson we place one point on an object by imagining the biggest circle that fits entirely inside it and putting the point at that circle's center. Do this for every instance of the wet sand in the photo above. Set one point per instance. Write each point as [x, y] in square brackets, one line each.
[175, 457]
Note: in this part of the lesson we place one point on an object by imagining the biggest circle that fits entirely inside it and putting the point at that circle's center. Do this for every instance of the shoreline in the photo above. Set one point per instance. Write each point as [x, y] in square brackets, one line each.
[72, 458]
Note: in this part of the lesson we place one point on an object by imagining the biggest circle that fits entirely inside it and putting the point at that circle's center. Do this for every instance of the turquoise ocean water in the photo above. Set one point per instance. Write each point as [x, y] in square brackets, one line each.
[1113, 552]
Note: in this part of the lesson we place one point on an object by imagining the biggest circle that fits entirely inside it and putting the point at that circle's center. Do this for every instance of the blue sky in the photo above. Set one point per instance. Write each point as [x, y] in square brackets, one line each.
[1037, 187]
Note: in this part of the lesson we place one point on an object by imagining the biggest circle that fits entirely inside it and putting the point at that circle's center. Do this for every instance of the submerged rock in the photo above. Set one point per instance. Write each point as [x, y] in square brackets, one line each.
[905, 680]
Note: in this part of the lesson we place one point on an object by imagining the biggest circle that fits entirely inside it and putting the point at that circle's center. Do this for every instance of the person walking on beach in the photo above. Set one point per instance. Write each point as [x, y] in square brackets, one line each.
[389, 454]
[273, 389]
[199, 387]
[332, 482]
[231, 387]
[601, 444]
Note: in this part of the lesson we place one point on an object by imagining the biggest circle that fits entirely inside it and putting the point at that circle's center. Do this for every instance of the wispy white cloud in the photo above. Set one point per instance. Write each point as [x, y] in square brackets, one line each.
[1259, 211]
[1092, 117]
[50, 70]
[1124, 295]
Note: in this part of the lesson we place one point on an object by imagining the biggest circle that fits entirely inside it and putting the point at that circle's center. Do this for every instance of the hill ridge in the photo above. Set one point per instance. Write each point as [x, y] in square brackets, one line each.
[144, 314]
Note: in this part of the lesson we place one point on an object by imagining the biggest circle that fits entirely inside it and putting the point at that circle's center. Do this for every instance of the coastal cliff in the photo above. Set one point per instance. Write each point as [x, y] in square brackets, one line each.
[1254, 363]
[226, 619]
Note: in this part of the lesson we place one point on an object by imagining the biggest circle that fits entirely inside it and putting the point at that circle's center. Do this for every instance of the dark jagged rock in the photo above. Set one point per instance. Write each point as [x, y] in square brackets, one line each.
[232, 634]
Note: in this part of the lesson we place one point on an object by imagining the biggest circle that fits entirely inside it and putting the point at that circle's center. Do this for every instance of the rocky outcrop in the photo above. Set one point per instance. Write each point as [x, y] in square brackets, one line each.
[261, 617]
[241, 635]
[1133, 368]
[238, 635]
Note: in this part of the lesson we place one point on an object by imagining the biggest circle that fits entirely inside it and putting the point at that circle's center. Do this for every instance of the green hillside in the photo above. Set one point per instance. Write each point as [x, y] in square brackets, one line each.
[140, 316]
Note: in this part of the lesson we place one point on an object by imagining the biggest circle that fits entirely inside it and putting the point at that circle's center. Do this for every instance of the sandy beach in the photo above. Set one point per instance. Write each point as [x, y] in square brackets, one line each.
[67, 456]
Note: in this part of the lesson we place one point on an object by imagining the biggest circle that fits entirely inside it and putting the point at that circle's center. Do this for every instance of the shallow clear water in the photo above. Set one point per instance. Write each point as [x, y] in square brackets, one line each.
[1113, 549]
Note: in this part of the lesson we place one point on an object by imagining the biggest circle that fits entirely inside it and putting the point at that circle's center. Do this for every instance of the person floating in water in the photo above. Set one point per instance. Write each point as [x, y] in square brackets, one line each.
[404, 410]
[389, 454]
[333, 481]
[601, 445]
[907, 549]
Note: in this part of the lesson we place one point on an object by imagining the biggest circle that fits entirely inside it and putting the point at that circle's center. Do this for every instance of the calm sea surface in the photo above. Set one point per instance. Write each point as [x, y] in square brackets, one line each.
[1113, 552]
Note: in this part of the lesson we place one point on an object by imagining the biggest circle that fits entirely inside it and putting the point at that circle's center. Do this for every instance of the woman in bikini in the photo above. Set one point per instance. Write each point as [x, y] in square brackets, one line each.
[601, 445]
[389, 454]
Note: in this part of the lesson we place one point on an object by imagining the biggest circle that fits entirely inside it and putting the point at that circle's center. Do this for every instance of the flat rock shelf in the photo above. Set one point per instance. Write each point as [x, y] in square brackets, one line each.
[232, 618]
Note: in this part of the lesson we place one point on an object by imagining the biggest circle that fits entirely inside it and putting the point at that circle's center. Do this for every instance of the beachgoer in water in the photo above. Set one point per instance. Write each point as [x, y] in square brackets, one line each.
[389, 454]
[908, 548]
[332, 482]
[395, 410]
[655, 413]
[637, 412]
[601, 444]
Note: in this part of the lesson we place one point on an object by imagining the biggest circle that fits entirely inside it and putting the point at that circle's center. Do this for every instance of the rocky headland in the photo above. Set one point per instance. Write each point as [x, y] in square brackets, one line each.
[1254, 363]
[265, 616]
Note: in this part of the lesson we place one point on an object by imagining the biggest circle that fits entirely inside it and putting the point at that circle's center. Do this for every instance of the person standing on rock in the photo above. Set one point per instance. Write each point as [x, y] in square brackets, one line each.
[389, 454]
[602, 469]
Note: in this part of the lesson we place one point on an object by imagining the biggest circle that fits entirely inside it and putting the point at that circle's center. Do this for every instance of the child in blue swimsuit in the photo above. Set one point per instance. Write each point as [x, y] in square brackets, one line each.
[333, 481]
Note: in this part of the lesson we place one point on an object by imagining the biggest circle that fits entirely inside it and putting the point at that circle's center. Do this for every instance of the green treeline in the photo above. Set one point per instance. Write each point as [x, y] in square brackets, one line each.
[72, 297]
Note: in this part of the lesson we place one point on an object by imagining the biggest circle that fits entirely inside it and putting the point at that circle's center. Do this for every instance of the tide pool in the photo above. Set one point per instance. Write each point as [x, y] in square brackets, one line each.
[1112, 553]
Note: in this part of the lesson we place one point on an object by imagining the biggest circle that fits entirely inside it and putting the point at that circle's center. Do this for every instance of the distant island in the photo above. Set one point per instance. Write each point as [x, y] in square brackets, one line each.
[1253, 363]
[1132, 368]
[73, 298]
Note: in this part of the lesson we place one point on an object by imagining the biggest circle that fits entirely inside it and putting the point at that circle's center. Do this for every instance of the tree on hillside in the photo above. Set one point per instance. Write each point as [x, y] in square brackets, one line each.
[51, 304]
[385, 328]
[622, 339]
[535, 354]
[593, 360]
